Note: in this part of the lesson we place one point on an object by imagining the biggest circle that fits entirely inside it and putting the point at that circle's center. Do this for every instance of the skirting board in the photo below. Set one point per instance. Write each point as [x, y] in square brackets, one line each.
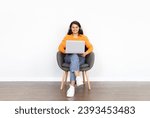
[90, 78]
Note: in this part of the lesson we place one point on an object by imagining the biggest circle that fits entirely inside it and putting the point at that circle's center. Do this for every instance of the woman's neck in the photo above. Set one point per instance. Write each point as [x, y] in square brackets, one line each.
[75, 35]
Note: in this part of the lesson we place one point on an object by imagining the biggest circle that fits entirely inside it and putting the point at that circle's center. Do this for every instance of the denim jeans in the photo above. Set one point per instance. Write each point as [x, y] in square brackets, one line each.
[75, 61]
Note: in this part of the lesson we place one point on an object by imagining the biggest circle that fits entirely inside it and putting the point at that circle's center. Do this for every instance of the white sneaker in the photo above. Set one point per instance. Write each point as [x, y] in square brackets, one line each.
[79, 81]
[71, 91]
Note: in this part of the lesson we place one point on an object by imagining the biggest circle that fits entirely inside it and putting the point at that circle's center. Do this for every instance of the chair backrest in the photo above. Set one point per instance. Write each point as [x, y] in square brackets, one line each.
[60, 58]
[90, 58]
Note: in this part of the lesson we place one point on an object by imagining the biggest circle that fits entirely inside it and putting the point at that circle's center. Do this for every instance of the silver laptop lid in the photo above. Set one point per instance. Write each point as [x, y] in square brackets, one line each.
[73, 46]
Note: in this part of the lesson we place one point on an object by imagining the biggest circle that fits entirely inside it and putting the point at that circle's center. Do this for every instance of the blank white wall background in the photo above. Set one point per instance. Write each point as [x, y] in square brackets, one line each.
[31, 30]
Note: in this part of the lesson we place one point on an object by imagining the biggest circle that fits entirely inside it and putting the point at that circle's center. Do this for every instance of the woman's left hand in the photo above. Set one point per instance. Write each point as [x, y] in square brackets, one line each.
[84, 54]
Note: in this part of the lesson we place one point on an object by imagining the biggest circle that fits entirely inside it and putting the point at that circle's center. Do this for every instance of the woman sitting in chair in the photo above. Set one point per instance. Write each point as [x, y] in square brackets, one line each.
[75, 32]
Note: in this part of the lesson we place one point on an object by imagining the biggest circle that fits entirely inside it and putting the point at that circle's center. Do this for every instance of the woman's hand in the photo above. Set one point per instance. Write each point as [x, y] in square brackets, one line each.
[84, 54]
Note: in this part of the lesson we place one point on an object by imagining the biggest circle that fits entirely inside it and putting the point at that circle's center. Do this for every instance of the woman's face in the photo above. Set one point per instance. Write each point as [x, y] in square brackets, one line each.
[75, 29]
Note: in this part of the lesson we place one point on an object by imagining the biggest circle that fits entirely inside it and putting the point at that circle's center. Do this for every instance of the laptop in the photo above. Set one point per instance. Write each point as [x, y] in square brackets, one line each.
[75, 47]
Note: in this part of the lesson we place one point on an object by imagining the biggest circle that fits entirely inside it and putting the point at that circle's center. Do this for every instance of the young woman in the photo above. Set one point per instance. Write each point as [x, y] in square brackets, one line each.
[75, 32]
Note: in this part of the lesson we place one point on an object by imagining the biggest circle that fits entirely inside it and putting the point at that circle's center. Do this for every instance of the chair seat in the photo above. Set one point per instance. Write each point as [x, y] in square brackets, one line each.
[81, 66]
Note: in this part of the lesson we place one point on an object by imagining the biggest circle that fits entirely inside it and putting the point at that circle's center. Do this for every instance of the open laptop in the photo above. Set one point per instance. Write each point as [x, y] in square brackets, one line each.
[73, 46]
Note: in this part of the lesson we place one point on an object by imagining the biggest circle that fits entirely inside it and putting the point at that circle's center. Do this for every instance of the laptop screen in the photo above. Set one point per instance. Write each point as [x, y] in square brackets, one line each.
[73, 46]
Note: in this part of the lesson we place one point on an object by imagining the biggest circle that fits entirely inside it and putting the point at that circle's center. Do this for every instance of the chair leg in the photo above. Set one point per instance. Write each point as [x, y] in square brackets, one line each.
[64, 79]
[89, 86]
[83, 74]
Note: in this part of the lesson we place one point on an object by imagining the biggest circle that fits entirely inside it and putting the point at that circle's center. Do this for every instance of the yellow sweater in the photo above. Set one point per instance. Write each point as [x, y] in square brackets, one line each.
[88, 45]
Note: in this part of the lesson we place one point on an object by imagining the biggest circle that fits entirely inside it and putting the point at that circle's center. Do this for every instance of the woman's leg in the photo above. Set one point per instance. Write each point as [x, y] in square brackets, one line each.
[74, 65]
[75, 62]
[81, 61]
[71, 90]
[72, 74]
[72, 78]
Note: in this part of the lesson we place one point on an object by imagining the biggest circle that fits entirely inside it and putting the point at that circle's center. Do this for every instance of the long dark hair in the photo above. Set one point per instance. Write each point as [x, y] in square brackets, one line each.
[77, 23]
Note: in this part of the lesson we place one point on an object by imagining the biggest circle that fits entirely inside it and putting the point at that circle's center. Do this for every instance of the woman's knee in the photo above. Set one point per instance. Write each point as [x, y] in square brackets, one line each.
[75, 57]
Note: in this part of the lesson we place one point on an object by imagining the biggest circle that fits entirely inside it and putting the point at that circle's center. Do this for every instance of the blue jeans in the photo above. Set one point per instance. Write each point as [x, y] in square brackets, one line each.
[75, 61]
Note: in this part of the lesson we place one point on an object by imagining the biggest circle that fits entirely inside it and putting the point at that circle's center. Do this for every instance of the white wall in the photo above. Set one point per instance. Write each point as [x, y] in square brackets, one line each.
[31, 30]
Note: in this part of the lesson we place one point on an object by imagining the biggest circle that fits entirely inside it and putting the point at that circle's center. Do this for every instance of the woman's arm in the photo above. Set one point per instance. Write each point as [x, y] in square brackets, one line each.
[88, 45]
[62, 46]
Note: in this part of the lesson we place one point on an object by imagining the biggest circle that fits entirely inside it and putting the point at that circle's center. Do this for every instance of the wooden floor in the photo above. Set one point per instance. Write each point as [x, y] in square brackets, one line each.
[50, 91]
